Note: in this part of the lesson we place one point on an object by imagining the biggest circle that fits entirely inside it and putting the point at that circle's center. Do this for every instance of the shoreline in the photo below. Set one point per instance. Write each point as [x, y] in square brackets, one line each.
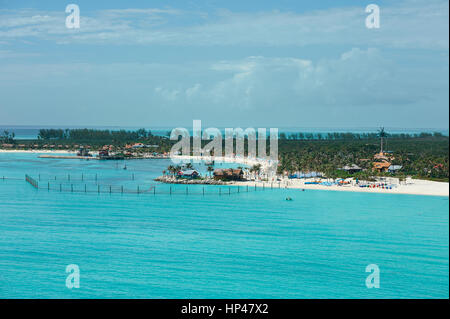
[222, 159]
[39, 151]
[415, 187]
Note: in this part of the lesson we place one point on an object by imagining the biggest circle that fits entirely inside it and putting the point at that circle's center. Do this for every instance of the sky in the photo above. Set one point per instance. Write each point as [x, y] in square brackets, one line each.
[251, 63]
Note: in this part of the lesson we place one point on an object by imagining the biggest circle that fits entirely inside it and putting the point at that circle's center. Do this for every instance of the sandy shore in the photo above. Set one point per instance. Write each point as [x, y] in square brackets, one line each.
[39, 151]
[413, 187]
[222, 159]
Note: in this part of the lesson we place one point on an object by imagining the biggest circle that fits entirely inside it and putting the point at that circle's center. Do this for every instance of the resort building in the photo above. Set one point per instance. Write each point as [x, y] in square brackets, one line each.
[381, 166]
[83, 152]
[351, 168]
[381, 156]
[229, 174]
[394, 168]
[192, 173]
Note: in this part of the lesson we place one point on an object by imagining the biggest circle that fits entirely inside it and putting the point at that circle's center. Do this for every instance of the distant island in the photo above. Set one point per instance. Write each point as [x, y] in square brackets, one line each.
[362, 156]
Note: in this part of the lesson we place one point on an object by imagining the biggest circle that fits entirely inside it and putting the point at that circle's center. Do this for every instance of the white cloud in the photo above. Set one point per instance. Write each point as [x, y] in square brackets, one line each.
[407, 24]
[358, 84]
[357, 80]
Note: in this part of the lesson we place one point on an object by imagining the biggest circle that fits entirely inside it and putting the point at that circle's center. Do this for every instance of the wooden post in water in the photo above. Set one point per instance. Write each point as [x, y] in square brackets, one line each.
[132, 177]
[121, 189]
[229, 190]
[220, 191]
[170, 190]
[110, 189]
[154, 190]
[68, 177]
[96, 177]
[85, 188]
[187, 192]
[82, 177]
[137, 188]
[71, 188]
[247, 188]
[48, 186]
[98, 189]
[60, 187]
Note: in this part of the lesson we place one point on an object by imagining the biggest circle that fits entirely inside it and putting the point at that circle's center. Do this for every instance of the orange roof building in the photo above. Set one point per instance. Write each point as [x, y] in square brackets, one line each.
[381, 166]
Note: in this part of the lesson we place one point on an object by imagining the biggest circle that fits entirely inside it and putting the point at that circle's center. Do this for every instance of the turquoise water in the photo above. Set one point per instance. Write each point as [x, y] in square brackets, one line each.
[246, 245]
[32, 132]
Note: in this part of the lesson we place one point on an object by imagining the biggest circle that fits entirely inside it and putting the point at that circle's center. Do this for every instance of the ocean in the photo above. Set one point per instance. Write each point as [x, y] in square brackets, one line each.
[25, 132]
[243, 245]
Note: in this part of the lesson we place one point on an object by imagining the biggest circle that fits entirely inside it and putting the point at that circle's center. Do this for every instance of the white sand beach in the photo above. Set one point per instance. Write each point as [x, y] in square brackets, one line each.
[410, 186]
[265, 164]
[39, 151]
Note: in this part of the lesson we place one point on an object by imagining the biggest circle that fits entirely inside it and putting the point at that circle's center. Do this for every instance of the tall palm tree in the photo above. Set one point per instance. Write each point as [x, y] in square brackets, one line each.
[210, 169]
[382, 134]
[171, 169]
[256, 169]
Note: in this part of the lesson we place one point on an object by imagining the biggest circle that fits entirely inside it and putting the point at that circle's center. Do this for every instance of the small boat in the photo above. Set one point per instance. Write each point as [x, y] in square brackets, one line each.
[288, 198]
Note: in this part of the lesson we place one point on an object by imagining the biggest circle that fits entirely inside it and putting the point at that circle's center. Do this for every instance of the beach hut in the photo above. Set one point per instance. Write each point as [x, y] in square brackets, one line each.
[228, 174]
[394, 168]
[381, 166]
[351, 169]
[191, 173]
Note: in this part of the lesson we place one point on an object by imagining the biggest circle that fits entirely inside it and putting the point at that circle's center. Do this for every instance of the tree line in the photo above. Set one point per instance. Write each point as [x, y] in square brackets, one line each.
[353, 136]
[93, 135]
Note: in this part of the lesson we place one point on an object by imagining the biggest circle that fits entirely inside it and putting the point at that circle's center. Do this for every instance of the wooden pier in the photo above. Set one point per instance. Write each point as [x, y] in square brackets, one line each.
[83, 183]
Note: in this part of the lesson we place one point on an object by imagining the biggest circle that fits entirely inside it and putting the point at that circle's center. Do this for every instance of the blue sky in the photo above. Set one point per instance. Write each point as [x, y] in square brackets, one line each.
[227, 63]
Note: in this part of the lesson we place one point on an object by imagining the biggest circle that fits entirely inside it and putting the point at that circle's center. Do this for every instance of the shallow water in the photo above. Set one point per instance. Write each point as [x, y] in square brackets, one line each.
[243, 245]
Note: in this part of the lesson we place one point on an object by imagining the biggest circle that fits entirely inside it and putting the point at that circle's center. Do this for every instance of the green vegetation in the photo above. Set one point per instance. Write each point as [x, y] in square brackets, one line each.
[422, 155]
[98, 138]
[92, 135]
[7, 137]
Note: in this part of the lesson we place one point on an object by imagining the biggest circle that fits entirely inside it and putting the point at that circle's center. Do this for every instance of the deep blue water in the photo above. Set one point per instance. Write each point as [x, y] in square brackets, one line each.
[246, 245]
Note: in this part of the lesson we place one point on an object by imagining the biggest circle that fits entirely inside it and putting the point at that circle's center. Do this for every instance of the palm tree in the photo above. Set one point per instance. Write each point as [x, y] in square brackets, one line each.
[256, 169]
[382, 134]
[189, 166]
[171, 169]
[210, 169]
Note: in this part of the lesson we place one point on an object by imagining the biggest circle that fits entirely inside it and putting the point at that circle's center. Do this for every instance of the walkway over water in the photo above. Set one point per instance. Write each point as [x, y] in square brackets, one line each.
[93, 184]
